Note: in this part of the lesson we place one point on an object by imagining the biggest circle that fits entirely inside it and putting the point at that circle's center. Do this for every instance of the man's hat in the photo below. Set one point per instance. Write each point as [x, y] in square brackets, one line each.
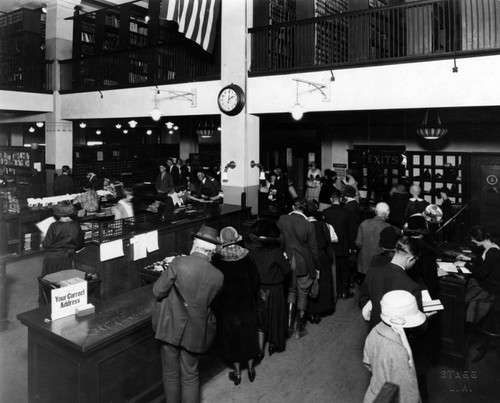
[349, 191]
[207, 234]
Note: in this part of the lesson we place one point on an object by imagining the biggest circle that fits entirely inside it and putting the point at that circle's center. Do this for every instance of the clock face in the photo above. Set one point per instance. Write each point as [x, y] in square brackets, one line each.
[228, 99]
[231, 100]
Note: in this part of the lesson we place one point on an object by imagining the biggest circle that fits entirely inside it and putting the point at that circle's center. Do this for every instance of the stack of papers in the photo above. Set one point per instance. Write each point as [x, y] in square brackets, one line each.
[455, 267]
[448, 267]
[429, 304]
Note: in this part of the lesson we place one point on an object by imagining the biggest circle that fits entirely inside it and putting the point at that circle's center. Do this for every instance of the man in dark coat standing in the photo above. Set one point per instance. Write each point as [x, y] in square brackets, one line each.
[299, 238]
[183, 319]
[338, 218]
[352, 207]
[390, 277]
[173, 170]
[64, 183]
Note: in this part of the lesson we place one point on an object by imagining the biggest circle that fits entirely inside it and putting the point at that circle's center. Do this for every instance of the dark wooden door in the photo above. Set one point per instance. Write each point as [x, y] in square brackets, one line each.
[484, 205]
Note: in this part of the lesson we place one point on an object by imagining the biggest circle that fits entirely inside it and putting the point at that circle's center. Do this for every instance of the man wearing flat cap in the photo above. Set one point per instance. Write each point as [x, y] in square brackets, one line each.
[183, 320]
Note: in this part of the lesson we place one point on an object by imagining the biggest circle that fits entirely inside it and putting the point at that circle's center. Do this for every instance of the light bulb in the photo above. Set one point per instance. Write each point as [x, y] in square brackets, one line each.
[118, 126]
[83, 125]
[169, 125]
[125, 131]
[156, 114]
[132, 123]
[170, 132]
[98, 132]
[31, 129]
[262, 176]
[297, 111]
[176, 127]
[149, 132]
[39, 124]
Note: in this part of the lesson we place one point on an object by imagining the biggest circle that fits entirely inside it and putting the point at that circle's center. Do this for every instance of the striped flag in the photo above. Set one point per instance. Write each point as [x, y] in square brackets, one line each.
[197, 19]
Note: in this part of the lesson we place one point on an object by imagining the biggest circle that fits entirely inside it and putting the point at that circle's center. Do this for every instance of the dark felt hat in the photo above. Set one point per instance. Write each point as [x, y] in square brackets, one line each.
[207, 234]
[349, 191]
[388, 238]
[64, 210]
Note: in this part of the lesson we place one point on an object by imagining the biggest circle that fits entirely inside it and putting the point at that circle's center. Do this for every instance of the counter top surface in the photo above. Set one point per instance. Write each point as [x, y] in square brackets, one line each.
[112, 319]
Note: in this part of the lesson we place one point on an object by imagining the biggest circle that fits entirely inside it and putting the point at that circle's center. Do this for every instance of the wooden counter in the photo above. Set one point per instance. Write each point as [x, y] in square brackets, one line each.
[109, 356]
[121, 274]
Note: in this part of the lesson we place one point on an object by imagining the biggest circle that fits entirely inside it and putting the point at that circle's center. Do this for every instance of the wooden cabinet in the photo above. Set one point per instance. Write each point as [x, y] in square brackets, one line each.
[435, 170]
[19, 161]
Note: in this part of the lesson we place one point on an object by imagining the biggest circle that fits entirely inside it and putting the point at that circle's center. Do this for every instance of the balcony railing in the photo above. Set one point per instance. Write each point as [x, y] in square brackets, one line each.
[21, 74]
[413, 31]
[176, 61]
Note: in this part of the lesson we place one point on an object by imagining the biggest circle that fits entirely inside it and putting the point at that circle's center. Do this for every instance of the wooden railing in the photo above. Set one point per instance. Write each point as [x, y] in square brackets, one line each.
[21, 74]
[177, 61]
[413, 31]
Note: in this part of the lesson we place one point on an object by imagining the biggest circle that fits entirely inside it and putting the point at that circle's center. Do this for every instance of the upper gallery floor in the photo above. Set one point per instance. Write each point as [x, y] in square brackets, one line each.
[363, 54]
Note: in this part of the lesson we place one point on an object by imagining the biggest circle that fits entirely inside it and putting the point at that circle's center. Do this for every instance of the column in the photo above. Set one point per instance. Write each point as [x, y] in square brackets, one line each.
[58, 46]
[239, 134]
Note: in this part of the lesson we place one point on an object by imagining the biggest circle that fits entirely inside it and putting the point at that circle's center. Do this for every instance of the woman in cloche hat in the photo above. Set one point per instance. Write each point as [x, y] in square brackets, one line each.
[236, 309]
[387, 353]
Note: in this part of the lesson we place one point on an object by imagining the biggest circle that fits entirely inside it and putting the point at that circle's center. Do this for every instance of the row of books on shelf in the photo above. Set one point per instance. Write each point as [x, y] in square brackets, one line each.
[135, 27]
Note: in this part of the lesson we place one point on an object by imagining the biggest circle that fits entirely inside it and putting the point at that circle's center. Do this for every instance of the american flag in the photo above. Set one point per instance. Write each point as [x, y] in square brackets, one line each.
[197, 19]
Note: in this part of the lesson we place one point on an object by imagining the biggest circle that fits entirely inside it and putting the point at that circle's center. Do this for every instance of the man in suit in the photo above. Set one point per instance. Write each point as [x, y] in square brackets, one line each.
[164, 182]
[173, 170]
[299, 239]
[183, 320]
[368, 237]
[64, 183]
[392, 276]
[338, 217]
[352, 207]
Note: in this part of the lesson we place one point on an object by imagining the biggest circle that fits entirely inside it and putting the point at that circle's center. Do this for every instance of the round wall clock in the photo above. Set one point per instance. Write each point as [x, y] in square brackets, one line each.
[231, 99]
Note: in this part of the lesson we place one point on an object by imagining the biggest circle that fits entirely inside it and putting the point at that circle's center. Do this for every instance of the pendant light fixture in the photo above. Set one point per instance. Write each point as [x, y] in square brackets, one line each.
[431, 130]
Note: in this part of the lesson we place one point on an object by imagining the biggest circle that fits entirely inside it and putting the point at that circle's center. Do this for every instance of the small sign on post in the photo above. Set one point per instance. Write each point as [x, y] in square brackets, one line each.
[65, 300]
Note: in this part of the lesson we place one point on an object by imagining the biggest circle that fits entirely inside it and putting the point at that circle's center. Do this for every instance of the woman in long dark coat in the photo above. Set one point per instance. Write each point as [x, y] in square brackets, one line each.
[265, 249]
[324, 303]
[236, 308]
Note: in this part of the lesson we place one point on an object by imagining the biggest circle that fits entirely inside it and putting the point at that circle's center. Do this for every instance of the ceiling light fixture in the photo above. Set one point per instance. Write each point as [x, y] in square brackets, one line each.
[156, 114]
[83, 125]
[132, 124]
[206, 130]
[39, 124]
[31, 129]
[149, 132]
[125, 131]
[98, 132]
[431, 130]
[169, 125]
[118, 126]
[176, 127]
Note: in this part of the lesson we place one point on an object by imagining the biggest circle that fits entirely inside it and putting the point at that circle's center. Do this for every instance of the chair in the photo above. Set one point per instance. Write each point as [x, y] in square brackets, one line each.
[44, 289]
[53, 264]
[489, 329]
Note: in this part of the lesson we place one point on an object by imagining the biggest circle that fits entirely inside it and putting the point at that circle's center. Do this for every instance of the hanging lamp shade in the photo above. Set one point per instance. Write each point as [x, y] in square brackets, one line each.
[431, 130]
[206, 130]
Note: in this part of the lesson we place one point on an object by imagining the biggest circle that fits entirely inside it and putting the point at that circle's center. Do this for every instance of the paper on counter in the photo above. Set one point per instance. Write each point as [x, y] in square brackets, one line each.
[111, 250]
[448, 267]
[459, 263]
[430, 308]
[465, 270]
[139, 243]
[152, 241]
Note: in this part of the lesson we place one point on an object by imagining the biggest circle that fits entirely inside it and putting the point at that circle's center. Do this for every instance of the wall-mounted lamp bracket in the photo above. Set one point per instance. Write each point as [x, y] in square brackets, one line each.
[321, 87]
[190, 96]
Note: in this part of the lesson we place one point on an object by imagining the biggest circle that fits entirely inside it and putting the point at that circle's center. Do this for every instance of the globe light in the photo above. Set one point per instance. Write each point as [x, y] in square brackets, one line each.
[156, 114]
[83, 125]
[132, 124]
[297, 111]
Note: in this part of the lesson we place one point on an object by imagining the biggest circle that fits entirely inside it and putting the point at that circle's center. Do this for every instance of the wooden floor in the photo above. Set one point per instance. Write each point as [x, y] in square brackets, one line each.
[324, 366]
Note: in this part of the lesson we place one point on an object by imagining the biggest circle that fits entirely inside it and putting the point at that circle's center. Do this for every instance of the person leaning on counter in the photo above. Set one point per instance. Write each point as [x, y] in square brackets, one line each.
[183, 320]
[88, 200]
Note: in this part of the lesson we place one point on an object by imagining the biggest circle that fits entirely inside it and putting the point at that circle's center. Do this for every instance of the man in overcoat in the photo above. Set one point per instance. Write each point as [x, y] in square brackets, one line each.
[299, 239]
[337, 217]
[183, 319]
